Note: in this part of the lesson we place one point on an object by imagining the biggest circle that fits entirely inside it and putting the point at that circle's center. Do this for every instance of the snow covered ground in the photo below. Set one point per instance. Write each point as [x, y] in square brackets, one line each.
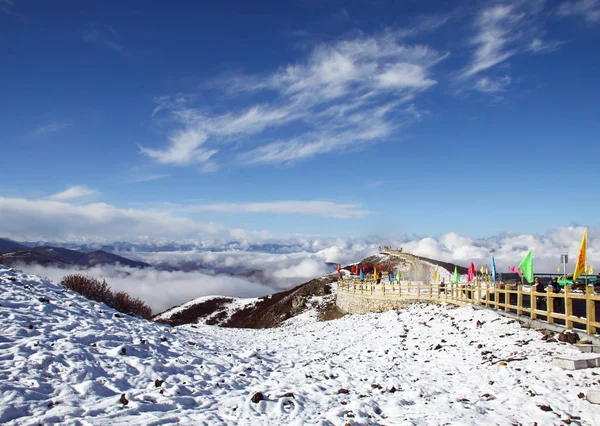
[64, 359]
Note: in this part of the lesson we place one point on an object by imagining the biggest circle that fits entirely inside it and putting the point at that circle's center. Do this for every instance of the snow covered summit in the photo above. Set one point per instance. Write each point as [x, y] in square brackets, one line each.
[66, 360]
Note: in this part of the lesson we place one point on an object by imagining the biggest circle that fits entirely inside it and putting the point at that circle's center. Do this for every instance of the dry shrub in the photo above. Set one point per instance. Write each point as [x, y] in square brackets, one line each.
[94, 289]
[123, 302]
[90, 288]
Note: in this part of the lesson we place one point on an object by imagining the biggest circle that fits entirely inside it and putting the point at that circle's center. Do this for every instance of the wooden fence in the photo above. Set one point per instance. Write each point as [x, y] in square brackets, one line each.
[527, 302]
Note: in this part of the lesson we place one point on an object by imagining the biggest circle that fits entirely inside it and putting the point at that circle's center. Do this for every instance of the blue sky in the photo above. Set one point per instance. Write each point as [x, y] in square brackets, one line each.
[340, 119]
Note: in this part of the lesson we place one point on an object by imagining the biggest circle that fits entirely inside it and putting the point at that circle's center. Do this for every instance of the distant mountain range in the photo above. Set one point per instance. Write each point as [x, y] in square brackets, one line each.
[13, 253]
[123, 246]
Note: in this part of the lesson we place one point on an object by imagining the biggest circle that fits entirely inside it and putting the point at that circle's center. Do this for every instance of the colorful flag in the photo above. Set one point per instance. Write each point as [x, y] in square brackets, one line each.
[398, 276]
[493, 270]
[362, 275]
[487, 271]
[436, 274]
[339, 268]
[591, 270]
[375, 272]
[558, 269]
[455, 278]
[526, 267]
[581, 260]
[471, 272]
[481, 269]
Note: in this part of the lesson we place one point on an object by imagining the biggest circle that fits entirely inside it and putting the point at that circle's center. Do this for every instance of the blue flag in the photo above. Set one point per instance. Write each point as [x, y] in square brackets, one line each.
[493, 270]
[362, 275]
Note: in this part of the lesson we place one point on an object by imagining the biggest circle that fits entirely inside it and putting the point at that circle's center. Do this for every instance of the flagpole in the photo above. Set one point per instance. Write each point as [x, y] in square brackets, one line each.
[586, 269]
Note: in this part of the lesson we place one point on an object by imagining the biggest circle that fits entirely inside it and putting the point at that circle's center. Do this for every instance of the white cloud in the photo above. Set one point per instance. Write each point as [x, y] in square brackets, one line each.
[404, 76]
[53, 127]
[493, 40]
[489, 85]
[58, 220]
[315, 208]
[161, 289]
[501, 32]
[346, 94]
[588, 9]
[540, 46]
[52, 220]
[184, 148]
[73, 193]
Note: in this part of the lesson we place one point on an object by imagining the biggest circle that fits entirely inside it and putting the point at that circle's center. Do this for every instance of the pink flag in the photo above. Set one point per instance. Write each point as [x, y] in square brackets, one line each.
[471, 272]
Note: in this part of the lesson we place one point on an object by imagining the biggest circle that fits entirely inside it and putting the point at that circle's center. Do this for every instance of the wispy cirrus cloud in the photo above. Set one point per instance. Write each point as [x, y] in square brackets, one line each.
[312, 208]
[53, 127]
[73, 193]
[345, 94]
[105, 36]
[185, 148]
[503, 30]
[588, 9]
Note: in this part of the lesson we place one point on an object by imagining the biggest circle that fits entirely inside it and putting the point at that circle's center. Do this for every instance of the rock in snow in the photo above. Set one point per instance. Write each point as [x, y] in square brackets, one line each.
[68, 368]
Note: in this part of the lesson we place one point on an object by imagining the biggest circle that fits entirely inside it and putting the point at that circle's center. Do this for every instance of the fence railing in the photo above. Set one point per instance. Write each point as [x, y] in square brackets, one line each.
[569, 307]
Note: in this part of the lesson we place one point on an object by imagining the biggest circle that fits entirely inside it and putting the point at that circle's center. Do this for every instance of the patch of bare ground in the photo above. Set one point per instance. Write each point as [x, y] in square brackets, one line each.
[270, 311]
[330, 312]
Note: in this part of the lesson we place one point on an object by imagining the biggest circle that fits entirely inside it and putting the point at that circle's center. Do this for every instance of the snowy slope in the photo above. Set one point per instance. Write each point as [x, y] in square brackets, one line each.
[68, 360]
[220, 309]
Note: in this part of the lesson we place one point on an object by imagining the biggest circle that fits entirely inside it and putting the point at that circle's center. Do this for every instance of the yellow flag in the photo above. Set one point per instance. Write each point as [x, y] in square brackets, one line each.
[591, 270]
[375, 272]
[436, 275]
[581, 261]
[558, 269]
[481, 269]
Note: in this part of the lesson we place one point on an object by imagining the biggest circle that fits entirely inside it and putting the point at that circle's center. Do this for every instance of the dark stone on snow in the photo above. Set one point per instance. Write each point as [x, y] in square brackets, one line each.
[287, 395]
[569, 337]
[257, 397]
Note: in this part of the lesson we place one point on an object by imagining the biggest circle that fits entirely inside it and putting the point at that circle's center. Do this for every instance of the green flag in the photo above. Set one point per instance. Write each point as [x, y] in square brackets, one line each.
[526, 267]
[455, 278]
[398, 276]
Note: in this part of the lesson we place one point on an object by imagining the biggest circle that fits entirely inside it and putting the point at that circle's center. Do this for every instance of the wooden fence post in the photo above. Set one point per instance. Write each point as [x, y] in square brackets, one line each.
[519, 300]
[549, 305]
[479, 292]
[568, 308]
[506, 299]
[590, 310]
[496, 297]
[533, 302]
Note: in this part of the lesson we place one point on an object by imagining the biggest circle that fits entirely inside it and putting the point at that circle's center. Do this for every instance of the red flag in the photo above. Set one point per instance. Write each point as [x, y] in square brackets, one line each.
[339, 267]
[471, 272]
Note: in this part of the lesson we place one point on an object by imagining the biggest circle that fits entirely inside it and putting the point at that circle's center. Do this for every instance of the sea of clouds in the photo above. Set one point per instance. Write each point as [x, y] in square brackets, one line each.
[243, 273]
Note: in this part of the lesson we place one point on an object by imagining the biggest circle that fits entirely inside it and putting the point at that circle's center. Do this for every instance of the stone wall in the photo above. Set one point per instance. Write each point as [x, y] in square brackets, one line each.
[360, 304]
